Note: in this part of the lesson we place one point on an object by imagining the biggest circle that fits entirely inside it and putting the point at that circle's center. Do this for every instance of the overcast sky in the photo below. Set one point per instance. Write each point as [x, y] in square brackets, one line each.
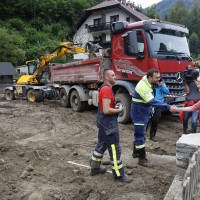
[145, 3]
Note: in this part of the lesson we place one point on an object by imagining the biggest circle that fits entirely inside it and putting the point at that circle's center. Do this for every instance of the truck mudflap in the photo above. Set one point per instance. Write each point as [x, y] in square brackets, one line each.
[174, 99]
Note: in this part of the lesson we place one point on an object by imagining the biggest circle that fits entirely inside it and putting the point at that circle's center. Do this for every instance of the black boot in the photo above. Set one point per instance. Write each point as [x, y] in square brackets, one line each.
[153, 130]
[95, 168]
[142, 158]
[135, 152]
[185, 128]
[194, 128]
[125, 179]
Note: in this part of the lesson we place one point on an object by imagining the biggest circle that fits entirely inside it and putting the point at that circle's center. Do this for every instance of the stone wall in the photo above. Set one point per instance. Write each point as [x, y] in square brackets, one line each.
[185, 147]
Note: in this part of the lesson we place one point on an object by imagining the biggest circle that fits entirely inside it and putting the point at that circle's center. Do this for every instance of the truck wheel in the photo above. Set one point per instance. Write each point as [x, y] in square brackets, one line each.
[125, 100]
[64, 101]
[34, 95]
[9, 95]
[76, 104]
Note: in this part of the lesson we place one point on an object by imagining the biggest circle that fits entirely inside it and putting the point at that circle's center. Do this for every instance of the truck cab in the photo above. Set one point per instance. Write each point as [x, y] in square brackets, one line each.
[140, 46]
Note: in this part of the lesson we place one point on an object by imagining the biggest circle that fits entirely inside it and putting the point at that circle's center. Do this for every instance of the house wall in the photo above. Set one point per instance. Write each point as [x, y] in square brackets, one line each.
[82, 36]
[22, 70]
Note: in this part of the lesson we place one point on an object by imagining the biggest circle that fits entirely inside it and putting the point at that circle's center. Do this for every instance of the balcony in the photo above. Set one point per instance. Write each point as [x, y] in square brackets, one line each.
[99, 27]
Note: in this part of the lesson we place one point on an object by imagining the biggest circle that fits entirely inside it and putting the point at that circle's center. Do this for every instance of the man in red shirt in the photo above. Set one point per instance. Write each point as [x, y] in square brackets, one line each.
[108, 134]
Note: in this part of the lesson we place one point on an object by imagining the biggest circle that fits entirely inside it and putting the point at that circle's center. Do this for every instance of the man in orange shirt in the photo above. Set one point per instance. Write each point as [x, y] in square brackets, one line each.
[108, 134]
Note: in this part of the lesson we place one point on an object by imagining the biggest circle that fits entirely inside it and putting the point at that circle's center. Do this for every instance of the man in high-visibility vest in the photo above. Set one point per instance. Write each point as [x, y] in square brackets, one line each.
[142, 101]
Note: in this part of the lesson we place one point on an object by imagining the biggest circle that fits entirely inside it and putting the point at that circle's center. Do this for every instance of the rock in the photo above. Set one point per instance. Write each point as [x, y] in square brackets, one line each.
[30, 168]
[24, 174]
[59, 145]
[130, 172]
[21, 154]
[2, 161]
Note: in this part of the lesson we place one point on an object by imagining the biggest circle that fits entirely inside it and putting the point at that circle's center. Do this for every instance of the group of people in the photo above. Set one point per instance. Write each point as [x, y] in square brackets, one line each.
[149, 92]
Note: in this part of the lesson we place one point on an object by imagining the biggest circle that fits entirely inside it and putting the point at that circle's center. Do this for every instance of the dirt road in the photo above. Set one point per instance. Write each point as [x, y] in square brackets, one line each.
[37, 141]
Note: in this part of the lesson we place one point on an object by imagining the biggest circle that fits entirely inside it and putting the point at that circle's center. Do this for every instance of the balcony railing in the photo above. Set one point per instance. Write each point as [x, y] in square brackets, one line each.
[99, 27]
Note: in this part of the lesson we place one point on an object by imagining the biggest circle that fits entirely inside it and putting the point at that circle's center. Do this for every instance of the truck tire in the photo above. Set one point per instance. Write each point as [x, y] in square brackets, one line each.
[64, 100]
[125, 100]
[9, 95]
[34, 95]
[75, 102]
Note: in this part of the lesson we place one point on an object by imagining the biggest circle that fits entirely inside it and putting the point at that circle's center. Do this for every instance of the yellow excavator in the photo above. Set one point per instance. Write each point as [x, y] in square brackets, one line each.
[29, 86]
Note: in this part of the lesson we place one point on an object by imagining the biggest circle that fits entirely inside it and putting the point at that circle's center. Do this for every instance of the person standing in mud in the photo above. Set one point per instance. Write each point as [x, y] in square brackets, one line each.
[142, 102]
[108, 133]
[160, 91]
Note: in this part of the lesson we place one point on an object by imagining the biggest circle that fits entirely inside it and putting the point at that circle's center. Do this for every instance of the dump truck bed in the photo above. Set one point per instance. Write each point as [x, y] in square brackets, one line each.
[84, 71]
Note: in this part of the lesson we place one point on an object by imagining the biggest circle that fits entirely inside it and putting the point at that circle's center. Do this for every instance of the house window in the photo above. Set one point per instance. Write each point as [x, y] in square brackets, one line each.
[128, 19]
[114, 18]
[97, 22]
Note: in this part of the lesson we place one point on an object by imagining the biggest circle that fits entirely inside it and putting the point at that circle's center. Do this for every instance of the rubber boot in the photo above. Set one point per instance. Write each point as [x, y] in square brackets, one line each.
[194, 129]
[185, 128]
[153, 131]
[142, 158]
[135, 152]
[95, 168]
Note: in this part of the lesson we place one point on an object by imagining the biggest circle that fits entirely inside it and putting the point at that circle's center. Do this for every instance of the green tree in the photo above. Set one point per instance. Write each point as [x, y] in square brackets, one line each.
[193, 21]
[194, 44]
[179, 14]
[11, 47]
[152, 13]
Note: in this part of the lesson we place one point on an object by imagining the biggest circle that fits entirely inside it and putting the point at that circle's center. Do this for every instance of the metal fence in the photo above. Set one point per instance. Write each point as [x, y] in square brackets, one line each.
[192, 177]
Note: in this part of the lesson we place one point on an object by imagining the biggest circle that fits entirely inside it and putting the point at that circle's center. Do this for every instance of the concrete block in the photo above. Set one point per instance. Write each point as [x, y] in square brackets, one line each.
[192, 140]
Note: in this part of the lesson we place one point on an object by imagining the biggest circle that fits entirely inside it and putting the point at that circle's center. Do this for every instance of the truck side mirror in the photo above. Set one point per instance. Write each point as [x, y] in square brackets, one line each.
[130, 43]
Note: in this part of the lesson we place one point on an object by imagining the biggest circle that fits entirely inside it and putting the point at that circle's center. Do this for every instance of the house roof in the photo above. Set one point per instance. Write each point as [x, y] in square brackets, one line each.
[6, 68]
[112, 4]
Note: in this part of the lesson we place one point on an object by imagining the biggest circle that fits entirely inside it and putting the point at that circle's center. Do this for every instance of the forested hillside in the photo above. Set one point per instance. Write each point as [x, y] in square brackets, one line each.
[29, 28]
[165, 6]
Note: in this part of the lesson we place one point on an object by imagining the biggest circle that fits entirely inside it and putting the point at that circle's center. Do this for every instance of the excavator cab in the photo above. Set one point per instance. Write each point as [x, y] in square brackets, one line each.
[32, 66]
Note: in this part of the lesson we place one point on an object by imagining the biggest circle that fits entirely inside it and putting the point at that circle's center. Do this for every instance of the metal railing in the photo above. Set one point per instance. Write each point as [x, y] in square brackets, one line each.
[99, 27]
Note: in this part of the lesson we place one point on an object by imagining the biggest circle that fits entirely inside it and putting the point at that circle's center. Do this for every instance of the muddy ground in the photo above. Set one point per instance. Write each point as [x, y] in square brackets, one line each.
[39, 144]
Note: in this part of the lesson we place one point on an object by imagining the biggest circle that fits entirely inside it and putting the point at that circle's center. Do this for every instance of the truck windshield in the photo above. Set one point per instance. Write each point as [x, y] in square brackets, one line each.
[168, 42]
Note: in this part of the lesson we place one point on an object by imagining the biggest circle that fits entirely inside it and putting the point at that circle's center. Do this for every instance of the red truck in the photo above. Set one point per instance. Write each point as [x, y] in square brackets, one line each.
[135, 48]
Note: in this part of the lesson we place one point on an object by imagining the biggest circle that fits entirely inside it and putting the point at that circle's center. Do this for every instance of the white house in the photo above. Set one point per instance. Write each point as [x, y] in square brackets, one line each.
[22, 69]
[95, 24]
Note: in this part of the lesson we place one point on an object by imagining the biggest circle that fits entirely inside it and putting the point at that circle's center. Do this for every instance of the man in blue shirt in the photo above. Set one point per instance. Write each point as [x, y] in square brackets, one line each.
[160, 91]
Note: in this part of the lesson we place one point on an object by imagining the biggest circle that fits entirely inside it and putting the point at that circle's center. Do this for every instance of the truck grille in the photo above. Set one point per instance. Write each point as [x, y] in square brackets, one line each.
[174, 86]
[177, 93]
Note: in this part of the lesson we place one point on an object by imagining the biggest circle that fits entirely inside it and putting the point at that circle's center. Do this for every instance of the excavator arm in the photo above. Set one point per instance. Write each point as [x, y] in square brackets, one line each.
[65, 48]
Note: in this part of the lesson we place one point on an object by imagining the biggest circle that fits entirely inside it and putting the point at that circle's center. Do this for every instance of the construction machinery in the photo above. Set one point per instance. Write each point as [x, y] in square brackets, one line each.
[135, 48]
[30, 86]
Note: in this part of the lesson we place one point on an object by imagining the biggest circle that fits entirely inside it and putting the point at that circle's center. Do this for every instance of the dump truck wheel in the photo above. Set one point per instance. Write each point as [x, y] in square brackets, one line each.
[76, 104]
[9, 95]
[34, 95]
[64, 100]
[125, 100]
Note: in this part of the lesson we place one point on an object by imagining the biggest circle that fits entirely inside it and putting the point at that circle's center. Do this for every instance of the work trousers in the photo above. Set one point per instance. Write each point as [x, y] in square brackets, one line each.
[154, 121]
[140, 113]
[108, 139]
